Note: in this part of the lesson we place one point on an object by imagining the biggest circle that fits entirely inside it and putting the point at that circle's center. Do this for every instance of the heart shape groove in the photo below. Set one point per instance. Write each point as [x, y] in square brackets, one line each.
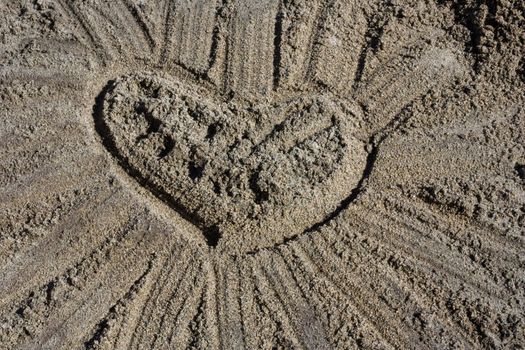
[248, 177]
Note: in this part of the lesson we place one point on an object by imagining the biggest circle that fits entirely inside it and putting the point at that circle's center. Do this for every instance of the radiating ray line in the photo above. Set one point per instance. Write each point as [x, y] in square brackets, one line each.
[55, 142]
[275, 302]
[305, 317]
[70, 11]
[422, 255]
[246, 299]
[42, 177]
[211, 332]
[142, 22]
[253, 298]
[19, 273]
[310, 62]
[352, 287]
[188, 36]
[176, 300]
[131, 251]
[228, 302]
[69, 7]
[169, 23]
[493, 242]
[157, 294]
[85, 263]
[338, 55]
[306, 279]
[186, 305]
[133, 314]
[130, 14]
[422, 299]
[249, 22]
[151, 292]
[27, 175]
[359, 303]
[57, 212]
[411, 79]
[489, 242]
[397, 65]
[63, 77]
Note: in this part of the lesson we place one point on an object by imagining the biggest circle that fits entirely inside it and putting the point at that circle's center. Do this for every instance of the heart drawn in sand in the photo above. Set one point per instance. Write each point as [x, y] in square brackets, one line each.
[248, 177]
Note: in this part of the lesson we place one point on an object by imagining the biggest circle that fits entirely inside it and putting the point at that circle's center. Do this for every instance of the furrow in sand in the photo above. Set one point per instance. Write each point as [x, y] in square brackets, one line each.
[264, 328]
[274, 302]
[69, 11]
[108, 333]
[64, 291]
[426, 302]
[131, 249]
[338, 46]
[167, 318]
[168, 21]
[171, 273]
[210, 331]
[247, 307]
[147, 25]
[183, 44]
[196, 340]
[426, 253]
[324, 299]
[491, 241]
[372, 301]
[188, 35]
[115, 41]
[11, 137]
[42, 78]
[179, 325]
[271, 33]
[439, 243]
[125, 26]
[56, 137]
[248, 59]
[35, 185]
[365, 308]
[146, 306]
[195, 324]
[82, 226]
[319, 23]
[44, 162]
[229, 308]
[216, 36]
[142, 27]
[402, 80]
[277, 45]
[396, 293]
[370, 39]
[29, 224]
[296, 27]
[119, 37]
[89, 27]
[199, 40]
[485, 276]
[426, 289]
[135, 308]
[307, 322]
[399, 62]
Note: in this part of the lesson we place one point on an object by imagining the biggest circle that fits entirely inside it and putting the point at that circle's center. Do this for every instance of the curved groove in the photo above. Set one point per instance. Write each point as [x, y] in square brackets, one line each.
[210, 233]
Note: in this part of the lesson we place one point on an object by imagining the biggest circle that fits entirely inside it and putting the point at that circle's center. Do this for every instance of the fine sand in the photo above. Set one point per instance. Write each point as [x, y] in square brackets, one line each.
[262, 174]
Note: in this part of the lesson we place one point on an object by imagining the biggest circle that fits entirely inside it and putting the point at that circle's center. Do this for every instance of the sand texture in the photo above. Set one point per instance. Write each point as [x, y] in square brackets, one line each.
[262, 174]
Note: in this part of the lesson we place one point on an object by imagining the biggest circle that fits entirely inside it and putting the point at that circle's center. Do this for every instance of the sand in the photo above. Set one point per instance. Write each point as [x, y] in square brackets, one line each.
[241, 174]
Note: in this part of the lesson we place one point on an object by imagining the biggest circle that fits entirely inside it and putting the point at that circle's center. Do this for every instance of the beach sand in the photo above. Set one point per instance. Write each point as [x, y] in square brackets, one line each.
[262, 174]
